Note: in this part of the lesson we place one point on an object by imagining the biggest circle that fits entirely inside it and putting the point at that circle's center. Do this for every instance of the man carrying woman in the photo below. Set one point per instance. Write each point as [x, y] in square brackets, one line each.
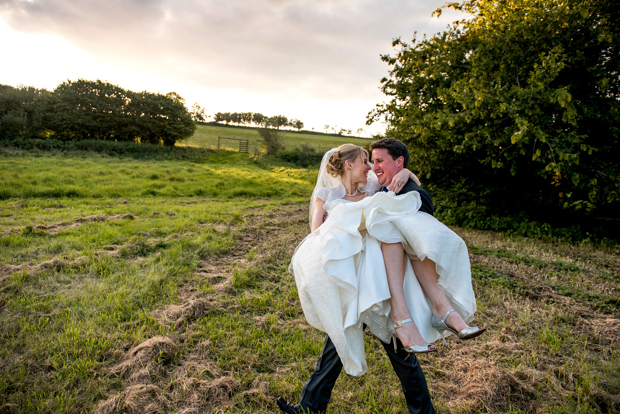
[352, 272]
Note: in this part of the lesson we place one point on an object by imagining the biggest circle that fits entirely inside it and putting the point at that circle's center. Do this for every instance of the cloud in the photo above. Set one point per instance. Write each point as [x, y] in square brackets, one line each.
[316, 60]
[321, 49]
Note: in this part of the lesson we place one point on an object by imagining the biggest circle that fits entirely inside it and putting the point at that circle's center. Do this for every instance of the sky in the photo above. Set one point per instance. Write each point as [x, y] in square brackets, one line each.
[313, 60]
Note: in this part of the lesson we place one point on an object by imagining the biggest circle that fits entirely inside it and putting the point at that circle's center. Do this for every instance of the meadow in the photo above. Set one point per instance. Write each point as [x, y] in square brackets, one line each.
[161, 285]
[206, 136]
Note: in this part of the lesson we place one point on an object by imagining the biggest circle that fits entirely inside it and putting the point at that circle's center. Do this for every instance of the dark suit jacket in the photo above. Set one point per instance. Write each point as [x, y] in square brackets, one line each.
[427, 201]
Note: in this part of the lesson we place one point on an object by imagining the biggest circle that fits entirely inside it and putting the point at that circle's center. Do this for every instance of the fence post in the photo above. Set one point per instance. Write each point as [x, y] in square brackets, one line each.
[218, 142]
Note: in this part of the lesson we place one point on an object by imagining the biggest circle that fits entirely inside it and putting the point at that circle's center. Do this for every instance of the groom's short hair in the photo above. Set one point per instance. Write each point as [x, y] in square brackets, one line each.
[394, 147]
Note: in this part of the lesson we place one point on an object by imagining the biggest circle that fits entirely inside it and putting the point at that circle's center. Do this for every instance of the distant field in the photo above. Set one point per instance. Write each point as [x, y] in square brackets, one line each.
[206, 137]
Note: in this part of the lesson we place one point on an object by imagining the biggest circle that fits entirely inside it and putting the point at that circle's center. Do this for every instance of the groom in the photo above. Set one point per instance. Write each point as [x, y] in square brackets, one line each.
[389, 156]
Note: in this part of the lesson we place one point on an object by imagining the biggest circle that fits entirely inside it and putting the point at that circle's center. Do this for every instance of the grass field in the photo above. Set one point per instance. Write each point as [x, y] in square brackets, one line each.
[161, 286]
[206, 137]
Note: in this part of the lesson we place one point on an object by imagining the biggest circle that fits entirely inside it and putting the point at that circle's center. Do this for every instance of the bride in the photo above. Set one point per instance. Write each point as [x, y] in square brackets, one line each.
[340, 267]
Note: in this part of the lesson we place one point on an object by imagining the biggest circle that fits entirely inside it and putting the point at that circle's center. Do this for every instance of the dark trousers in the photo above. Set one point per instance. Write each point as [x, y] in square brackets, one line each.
[318, 389]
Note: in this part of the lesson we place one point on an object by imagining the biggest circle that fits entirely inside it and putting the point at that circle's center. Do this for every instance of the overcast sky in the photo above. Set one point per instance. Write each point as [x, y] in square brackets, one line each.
[315, 60]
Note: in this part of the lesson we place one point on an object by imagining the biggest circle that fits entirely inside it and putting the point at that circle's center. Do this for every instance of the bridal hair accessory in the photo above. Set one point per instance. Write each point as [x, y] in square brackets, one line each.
[325, 179]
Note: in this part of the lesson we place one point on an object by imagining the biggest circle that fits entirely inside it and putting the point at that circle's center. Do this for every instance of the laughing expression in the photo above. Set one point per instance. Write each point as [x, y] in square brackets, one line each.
[385, 167]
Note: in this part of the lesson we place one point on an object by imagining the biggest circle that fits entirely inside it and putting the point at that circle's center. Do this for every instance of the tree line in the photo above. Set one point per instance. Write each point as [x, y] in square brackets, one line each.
[258, 119]
[517, 107]
[87, 110]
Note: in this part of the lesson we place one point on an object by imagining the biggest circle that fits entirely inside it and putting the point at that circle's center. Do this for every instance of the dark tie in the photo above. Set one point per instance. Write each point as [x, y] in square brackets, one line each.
[384, 189]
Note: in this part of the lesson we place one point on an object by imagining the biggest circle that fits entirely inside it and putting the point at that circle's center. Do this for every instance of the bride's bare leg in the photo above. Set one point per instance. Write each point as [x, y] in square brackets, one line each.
[428, 278]
[394, 258]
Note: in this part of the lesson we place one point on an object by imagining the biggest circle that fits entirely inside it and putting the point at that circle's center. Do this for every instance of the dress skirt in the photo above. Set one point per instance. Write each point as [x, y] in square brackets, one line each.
[341, 278]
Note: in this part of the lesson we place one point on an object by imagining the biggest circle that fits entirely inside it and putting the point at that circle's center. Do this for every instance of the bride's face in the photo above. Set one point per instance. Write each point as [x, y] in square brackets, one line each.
[359, 169]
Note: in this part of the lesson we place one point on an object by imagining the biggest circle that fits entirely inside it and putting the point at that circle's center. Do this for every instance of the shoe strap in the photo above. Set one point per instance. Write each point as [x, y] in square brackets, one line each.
[445, 317]
[399, 324]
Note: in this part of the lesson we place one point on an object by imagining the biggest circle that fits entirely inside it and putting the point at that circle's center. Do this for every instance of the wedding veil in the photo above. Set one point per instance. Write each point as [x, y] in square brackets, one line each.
[325, 179]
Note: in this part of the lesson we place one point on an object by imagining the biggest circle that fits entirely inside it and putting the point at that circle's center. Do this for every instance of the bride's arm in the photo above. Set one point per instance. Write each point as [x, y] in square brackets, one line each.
[318, 214]
[400, 180]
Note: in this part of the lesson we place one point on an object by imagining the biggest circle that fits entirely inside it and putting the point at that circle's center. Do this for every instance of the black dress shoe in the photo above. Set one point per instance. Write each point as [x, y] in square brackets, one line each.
[293, 409]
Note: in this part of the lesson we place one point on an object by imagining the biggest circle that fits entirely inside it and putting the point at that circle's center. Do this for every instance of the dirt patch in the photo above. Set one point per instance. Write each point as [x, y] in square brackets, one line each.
[55, 228]
[55, 207]
[195, 395]
[178, 314]
[472, 376]
[195, 386]
[157, 213]
[144, 354]
[136, 399]
[55, 263]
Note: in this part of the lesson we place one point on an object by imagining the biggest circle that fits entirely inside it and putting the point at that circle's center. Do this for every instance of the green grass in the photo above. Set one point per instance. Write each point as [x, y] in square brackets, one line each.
[206, 136]
[165, 288]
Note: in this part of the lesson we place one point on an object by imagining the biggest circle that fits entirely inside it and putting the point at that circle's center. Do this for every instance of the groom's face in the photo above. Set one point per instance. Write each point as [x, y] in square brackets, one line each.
[385, 167]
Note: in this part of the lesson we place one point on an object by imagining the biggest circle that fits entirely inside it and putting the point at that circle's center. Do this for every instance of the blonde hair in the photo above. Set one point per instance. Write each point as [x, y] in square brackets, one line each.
[345, 152]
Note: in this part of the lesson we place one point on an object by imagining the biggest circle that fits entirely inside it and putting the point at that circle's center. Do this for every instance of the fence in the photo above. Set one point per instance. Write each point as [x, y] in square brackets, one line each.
[242, 144]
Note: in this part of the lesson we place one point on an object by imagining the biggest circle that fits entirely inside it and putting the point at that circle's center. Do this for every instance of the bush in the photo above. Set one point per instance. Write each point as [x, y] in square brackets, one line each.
[519, 98]
[273, 140]
[460, 209]
[300, 157]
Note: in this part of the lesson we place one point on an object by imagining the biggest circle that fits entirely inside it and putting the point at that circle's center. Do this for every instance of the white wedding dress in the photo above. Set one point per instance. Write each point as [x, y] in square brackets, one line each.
[340, 273]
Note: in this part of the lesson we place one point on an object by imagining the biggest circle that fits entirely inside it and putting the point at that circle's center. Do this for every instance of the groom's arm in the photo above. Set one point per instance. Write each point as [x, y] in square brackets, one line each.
[427, 201]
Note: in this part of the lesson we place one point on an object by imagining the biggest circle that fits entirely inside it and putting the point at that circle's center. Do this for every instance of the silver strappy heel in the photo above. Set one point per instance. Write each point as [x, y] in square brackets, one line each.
[466, 333]
[413, 349]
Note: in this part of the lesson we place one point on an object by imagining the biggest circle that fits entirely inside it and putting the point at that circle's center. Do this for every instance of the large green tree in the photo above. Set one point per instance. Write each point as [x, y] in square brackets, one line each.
[86, 109]
[21, 112]
[159, 119]
[519, 103]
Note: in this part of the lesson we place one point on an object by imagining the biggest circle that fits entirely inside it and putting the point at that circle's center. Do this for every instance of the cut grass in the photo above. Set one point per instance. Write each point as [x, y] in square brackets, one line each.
[188, 306]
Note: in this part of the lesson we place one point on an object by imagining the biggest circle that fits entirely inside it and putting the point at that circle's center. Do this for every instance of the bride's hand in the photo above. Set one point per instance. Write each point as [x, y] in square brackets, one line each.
[400, 180]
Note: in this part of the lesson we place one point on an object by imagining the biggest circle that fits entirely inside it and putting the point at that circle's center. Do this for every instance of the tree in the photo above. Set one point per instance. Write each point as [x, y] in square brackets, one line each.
[277, 121]
[246, 118]
[160, 119]
[222, 117]
[176, 98]
[198, 113]
[234, 118]
[522, 98]
[83, 109]
[219, 117]
[259, 119]
[86, 109]
[297, 124]
[21, 112]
